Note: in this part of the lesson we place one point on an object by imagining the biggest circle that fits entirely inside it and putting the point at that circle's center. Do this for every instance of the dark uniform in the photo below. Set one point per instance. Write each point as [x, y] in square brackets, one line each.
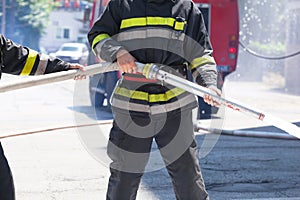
[168, 32]
[19, 60]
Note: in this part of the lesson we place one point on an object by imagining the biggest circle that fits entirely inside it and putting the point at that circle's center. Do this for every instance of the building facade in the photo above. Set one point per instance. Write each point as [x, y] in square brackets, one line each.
[66, 25]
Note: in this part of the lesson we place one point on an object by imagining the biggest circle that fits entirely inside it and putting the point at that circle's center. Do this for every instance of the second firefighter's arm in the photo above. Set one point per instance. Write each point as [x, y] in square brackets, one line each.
[20, 60]
[101, 36]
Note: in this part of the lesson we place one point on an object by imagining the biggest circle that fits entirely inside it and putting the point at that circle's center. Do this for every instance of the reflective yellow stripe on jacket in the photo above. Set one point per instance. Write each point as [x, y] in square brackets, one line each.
[98, 38]
[139, 95]
[201, 61]
[32, 55]
[143, 21]
[152, 21]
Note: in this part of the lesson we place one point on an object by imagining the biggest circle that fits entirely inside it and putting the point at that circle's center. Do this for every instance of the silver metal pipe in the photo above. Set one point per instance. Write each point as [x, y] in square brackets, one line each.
[156, 73]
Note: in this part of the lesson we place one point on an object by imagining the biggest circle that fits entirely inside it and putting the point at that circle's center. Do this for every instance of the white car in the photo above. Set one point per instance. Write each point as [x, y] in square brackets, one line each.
[73, 53]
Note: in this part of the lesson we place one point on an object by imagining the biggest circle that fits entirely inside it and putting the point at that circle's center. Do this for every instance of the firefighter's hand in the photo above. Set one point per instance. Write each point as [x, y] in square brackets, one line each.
[126, 62]
[209, 99]
[80, 67]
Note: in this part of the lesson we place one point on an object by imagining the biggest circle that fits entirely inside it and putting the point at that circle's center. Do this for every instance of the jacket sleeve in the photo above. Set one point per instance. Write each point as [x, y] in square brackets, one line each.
[101, 36]
[198, 50]
[20, 60]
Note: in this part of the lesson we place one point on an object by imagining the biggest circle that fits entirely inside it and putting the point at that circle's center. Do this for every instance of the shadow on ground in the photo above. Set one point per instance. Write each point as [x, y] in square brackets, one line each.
[96, 113]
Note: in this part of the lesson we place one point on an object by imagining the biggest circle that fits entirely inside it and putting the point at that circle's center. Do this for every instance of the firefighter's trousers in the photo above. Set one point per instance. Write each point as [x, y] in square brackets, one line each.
[7, 191]
[130, 143]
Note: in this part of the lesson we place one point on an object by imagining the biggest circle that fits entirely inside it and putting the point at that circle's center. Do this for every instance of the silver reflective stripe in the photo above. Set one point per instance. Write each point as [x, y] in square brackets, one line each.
[143, 33]
[42, 64]
[98, 47]
[174, 105]
[157, 109]
[130, 106]
[200, 69]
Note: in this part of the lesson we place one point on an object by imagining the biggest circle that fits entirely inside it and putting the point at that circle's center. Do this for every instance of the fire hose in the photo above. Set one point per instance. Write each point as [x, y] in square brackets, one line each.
[153, 71]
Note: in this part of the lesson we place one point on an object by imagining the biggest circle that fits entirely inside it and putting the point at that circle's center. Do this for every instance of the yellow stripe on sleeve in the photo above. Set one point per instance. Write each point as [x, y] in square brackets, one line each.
[29, 63]
[201, 61]
[98, 38]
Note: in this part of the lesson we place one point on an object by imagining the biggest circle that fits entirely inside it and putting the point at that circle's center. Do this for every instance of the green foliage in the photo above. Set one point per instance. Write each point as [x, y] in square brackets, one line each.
[25, 20]
[34, 14]
[272, 48]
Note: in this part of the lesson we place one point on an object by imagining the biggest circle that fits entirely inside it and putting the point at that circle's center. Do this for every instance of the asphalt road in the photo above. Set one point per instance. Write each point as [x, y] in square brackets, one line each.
[61, 165]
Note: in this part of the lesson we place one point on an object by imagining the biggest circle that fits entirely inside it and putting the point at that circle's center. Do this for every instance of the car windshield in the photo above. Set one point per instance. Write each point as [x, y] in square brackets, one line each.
[69, 48]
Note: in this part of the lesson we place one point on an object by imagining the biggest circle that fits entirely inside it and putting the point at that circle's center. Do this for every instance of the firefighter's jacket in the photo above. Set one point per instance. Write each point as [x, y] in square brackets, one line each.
[18, 60]
[169, 32]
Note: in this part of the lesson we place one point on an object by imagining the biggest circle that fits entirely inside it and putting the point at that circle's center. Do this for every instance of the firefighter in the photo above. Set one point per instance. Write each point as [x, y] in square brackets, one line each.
[167, 32]
[18, 60]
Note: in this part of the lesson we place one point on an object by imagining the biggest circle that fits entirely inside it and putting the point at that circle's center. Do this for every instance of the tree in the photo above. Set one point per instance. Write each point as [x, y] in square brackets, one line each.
[25, 20]
[32, 17]
[8, 21]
